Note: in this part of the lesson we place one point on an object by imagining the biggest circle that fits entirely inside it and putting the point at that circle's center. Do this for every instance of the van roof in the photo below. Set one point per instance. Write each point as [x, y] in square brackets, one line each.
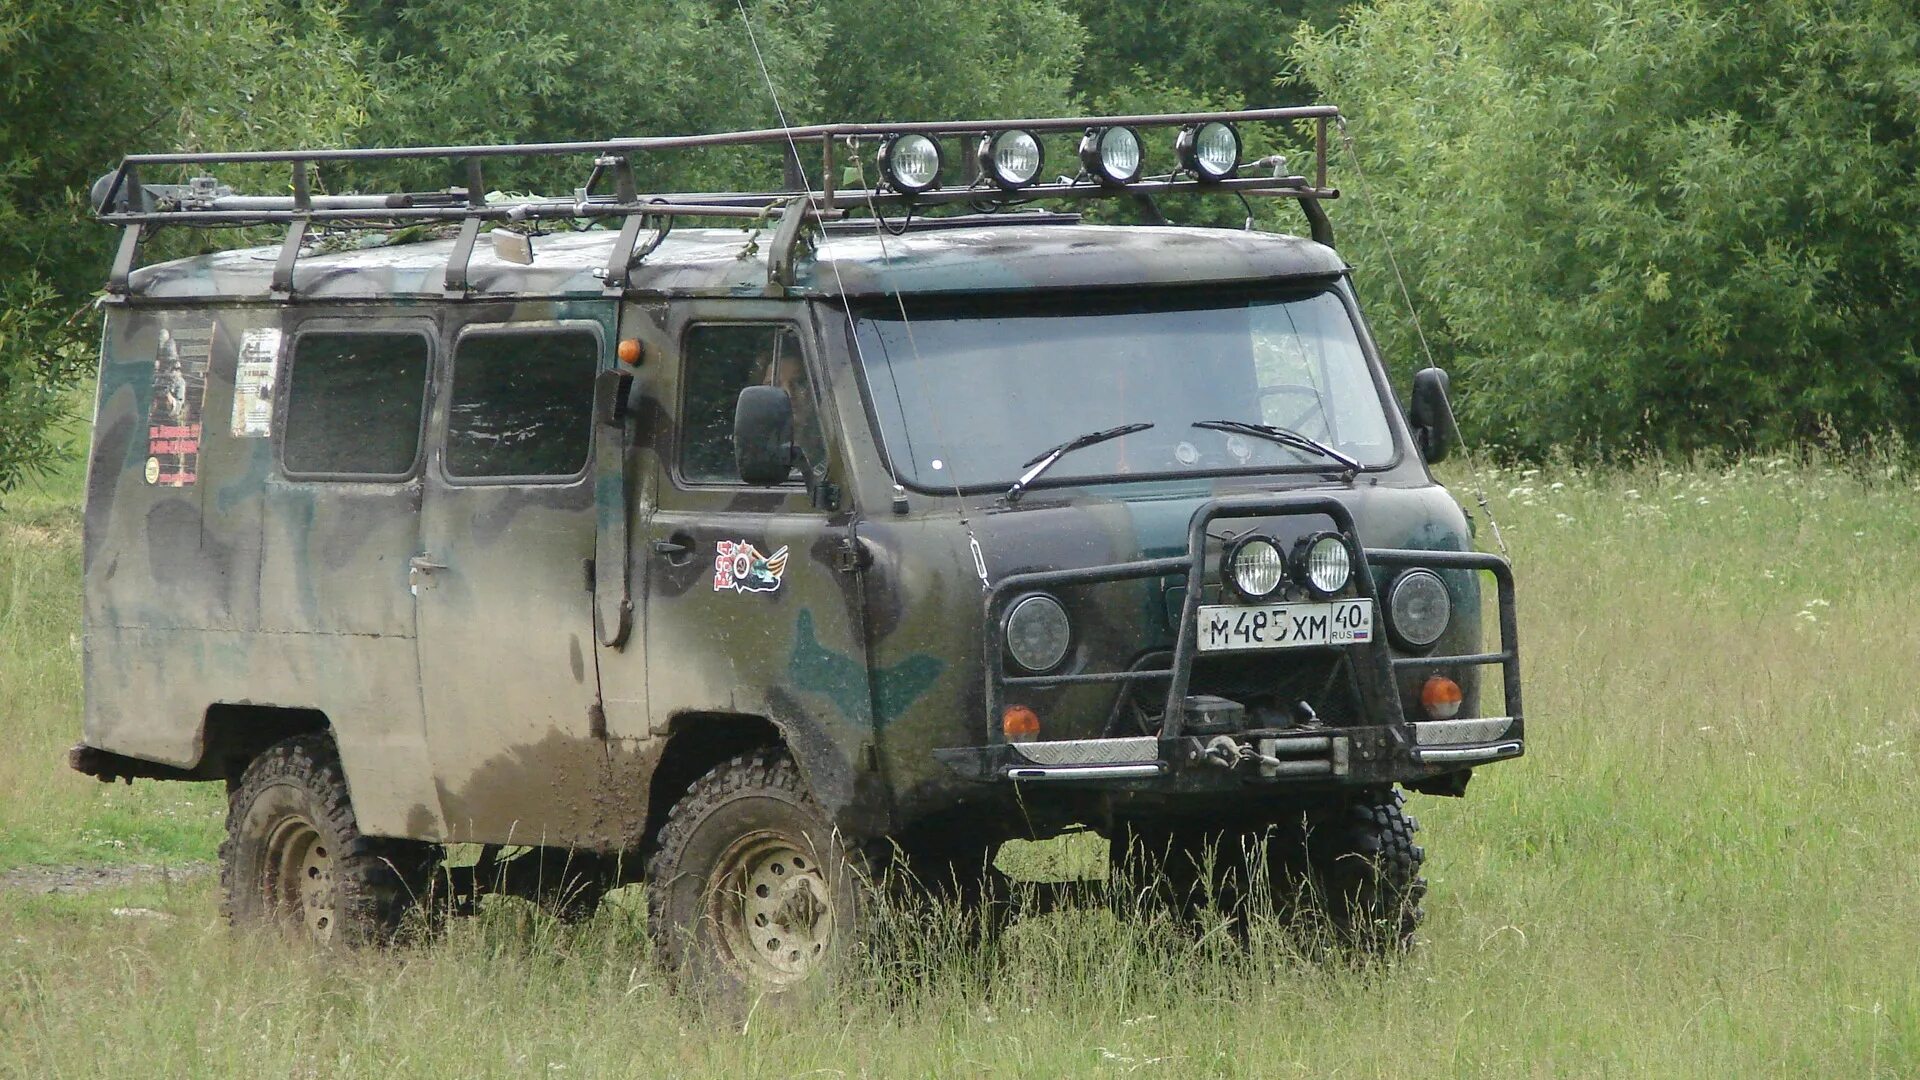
[733, 262]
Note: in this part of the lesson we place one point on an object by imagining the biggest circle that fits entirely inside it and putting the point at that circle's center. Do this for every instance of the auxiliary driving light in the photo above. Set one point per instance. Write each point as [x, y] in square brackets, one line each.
[1011, 158]
[1038, 632]
[1418, 608]
[910, 163]
[1112, 154]
[1210, 151]
[1439, 696]
[1322, 563]
[1255, 567]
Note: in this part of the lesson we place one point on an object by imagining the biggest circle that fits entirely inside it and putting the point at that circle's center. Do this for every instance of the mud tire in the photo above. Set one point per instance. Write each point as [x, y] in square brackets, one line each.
[1349, 870]
[294, 858]
[751, 894]
[1364, 870]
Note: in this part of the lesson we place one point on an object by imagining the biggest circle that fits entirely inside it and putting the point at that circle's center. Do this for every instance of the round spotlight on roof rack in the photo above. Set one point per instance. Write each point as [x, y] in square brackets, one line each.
[1112, 154]
[1210, 151]
[910, 163]
[1011, 158]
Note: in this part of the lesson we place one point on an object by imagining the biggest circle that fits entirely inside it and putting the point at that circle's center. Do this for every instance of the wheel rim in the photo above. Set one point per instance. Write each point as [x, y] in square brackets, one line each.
[773, 909]
[299, 882]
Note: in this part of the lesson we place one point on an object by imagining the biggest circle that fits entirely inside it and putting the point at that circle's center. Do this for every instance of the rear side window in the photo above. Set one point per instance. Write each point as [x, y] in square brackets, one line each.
[522, 404]
[354, 404]
[721, 360]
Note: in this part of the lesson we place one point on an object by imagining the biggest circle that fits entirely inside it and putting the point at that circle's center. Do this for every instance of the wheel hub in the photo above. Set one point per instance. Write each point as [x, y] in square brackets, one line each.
[299, 881]
[772, 906]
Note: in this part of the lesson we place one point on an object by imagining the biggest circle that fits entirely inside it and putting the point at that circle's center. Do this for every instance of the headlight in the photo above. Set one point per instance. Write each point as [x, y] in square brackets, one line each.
[1419, 608]
[1038, 633]
[1112, 154]
[1255, 567]
[911, 163]
[1210, 151]
[1322, 564]
[1011, 158]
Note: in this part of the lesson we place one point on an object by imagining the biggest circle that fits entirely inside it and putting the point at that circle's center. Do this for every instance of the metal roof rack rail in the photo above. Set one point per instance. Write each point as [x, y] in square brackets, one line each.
[121, 198]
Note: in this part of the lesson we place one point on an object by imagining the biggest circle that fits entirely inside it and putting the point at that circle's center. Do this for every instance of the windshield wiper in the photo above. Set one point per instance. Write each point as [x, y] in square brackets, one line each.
[1285, 437]
[1045, 459]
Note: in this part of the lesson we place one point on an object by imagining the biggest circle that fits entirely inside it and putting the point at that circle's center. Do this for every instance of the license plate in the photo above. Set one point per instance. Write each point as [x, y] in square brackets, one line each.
[1225, 627]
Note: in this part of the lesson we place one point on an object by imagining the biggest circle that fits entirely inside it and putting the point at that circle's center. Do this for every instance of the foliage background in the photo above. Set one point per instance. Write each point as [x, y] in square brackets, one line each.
[1630, 224]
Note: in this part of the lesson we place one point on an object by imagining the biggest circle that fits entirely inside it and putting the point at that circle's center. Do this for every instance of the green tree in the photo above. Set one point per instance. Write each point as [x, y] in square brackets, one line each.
[553, 69]
[89, 80]
[543, 70]
[1228, 51]
[1664, 223]
[946, 59]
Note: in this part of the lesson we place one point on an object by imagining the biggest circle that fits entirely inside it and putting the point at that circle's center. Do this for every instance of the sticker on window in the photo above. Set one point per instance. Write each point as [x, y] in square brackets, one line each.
[179, 390]
[739, 566]
[253, 377]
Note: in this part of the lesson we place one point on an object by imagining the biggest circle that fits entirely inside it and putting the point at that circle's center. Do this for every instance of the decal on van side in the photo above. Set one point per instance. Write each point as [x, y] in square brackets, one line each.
[253, 378]
[179, 390]
[739, 566]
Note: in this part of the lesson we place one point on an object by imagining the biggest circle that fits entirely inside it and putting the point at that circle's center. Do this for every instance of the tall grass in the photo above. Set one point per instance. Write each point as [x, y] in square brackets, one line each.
[1703, 867]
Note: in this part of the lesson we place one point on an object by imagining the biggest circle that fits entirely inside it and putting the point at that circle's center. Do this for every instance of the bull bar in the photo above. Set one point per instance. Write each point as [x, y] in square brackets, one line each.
[1389, 747]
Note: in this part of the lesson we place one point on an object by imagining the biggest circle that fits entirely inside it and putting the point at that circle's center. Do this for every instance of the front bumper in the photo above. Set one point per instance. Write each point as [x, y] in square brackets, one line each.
[1338, 756]
[1386, 748]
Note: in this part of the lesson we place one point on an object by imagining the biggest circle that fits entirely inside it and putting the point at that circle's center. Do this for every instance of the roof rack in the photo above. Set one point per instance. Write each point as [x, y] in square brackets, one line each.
[121, 198]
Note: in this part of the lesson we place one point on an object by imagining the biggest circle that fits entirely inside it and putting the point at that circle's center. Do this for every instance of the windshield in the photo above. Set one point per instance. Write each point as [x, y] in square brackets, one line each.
[967, 396]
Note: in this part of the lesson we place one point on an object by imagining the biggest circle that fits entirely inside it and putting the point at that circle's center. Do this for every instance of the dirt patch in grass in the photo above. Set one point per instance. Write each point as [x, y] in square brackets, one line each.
[44, 880]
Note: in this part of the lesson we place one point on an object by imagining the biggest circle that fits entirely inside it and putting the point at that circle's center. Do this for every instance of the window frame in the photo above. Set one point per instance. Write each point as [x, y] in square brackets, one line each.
[680, 478]
[451, 371]
[342, 326]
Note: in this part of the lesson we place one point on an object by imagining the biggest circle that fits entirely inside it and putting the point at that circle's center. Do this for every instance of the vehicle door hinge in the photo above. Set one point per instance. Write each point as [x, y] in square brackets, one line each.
[850, 556]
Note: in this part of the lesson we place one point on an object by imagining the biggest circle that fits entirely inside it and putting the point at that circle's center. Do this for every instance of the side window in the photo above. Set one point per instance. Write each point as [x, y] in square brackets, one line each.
[720, 361]
[354, 404]
[522, 403]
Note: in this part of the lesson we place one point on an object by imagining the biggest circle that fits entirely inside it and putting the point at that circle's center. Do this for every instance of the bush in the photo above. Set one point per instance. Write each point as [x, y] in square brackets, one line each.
[1663, 224]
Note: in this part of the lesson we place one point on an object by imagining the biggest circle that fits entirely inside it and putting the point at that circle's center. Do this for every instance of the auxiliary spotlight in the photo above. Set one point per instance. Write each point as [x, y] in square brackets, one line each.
[1112, 154]
[1210, 151]
[1011, 158]
[910, 163]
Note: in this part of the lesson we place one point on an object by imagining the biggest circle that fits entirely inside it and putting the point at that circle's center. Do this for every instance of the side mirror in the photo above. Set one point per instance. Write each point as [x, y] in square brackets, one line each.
[763, 435]
[1431, 415]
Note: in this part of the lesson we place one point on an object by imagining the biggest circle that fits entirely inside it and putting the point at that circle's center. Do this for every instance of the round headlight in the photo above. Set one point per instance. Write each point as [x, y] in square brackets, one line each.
[911, 163]
[1038, 632]
[1011, 158]
[1210, 151]
[1255, 567]
[1419, 608]
[1112, 154]
[1323, 563]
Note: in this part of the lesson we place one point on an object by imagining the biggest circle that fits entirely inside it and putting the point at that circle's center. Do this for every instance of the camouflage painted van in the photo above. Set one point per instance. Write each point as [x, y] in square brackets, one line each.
[744, 562]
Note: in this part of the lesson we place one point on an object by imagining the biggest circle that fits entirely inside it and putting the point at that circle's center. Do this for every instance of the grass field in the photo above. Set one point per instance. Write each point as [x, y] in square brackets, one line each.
[1705, 866]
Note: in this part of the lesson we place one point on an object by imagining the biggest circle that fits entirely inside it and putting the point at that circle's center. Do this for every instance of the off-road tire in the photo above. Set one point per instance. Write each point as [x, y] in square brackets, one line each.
[1351, 868]
[294, 857]
[1364, 870]
[750, 825]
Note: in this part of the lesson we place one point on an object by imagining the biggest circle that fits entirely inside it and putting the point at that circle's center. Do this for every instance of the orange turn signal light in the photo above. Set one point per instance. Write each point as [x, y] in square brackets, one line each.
[1020, 723]
[629, 351]
[1441, 697]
